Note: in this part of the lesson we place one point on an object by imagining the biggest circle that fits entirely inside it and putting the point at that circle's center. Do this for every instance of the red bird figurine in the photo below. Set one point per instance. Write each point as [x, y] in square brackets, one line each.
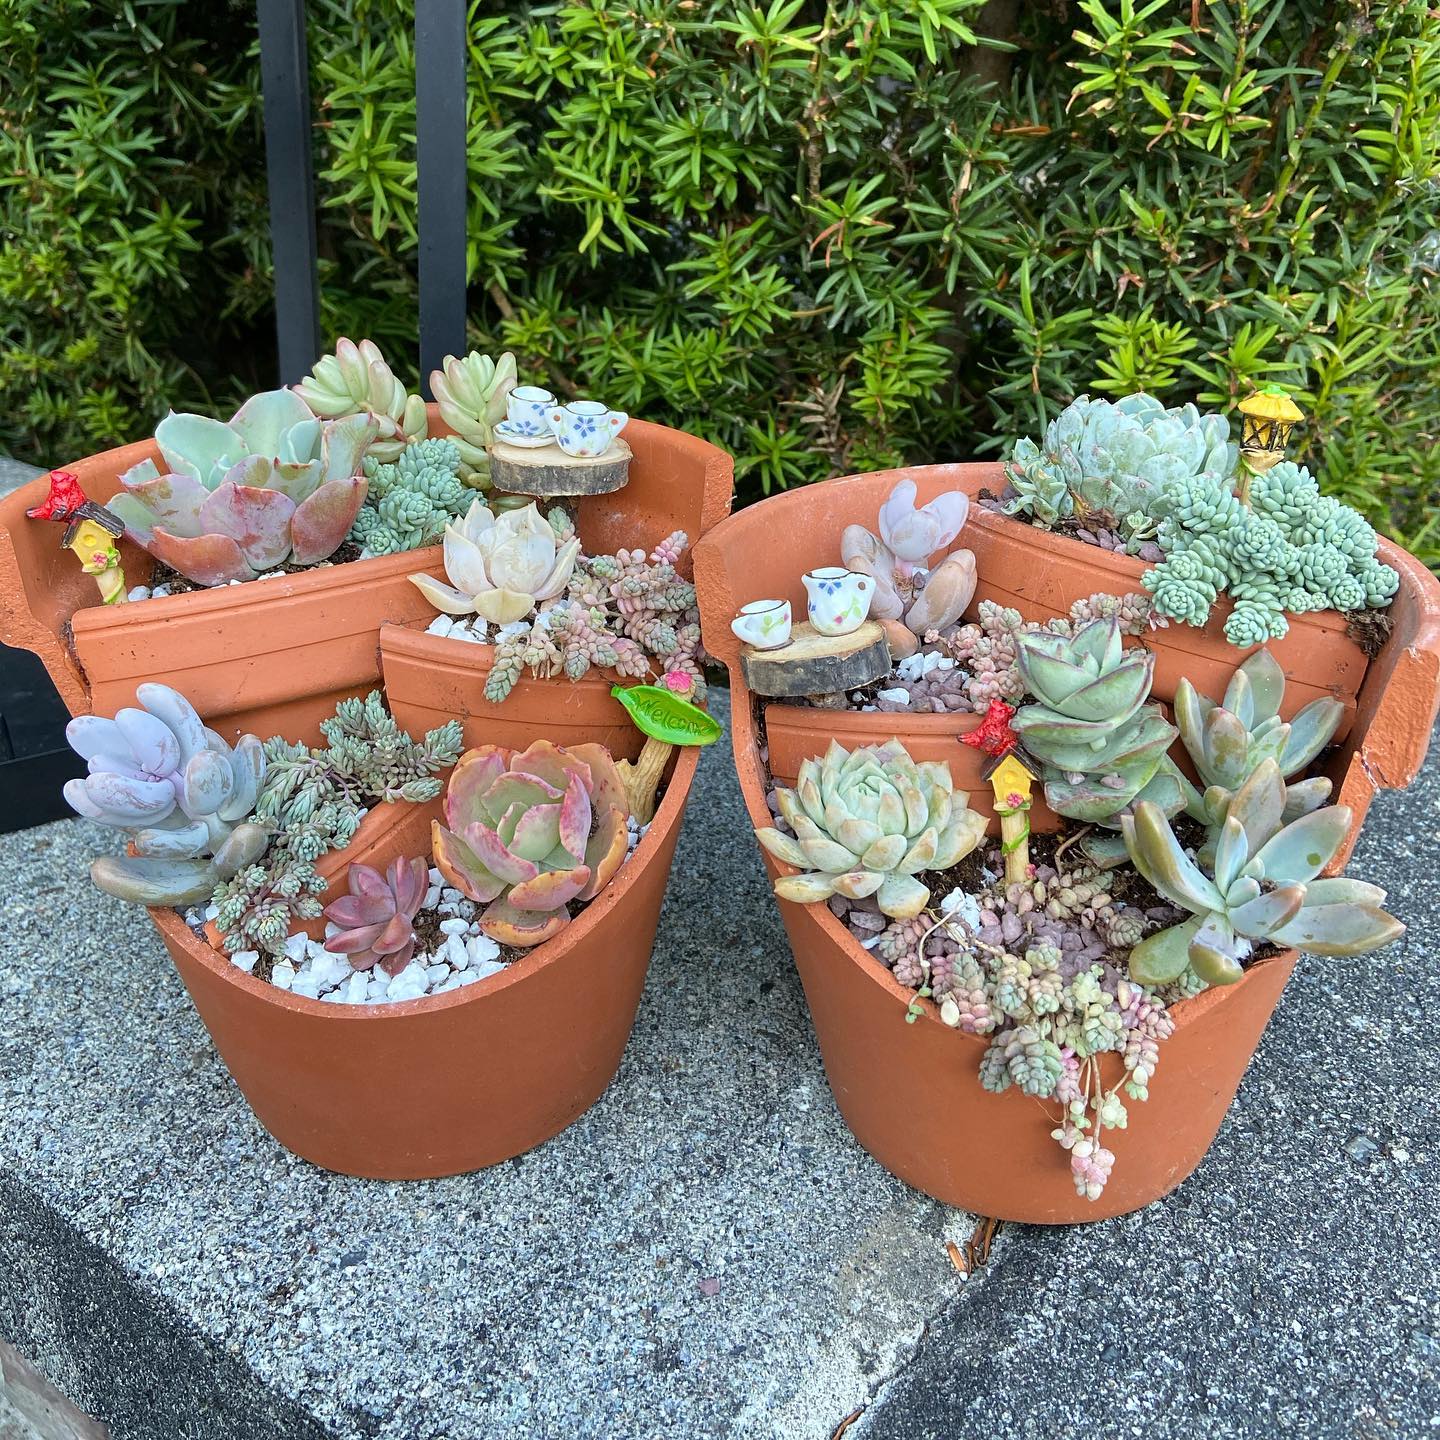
[65, 498]
[993, 735]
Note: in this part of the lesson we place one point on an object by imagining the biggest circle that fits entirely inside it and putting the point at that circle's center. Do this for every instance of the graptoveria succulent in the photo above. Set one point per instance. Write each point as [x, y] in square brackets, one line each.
[528, 832]
[866, 823]
[356, 380]
[896, 560]
[273, 484]
[471, 394]
[500, 567]
[1227, 741]
[1263, 887]
[179, 790]
[375, 922]
[1103, 745]
[1114, 457]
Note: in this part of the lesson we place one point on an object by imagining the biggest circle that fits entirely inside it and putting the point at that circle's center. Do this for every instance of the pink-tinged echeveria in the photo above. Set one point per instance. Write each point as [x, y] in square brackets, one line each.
[528, 832]
[376, 919]
[274, 484]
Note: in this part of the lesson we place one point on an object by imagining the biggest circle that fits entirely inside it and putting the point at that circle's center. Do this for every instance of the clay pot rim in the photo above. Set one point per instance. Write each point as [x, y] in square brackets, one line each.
[253, 594]
[668, 815]
[922, 721]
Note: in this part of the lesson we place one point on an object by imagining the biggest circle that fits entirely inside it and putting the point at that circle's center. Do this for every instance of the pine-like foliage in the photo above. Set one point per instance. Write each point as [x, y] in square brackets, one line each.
[830, 236]
[315, 799]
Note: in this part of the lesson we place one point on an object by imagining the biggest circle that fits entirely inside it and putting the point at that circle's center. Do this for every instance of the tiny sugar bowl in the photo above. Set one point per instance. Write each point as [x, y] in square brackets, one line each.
[763, 624]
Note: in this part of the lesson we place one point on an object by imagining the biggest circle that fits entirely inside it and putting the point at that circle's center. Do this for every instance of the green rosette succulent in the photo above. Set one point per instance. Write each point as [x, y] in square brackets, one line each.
[1229, 740]
[355, 380]
[1114, 458]
[1103, 746]
[866, 823]
[1262, 886]
[472, 393]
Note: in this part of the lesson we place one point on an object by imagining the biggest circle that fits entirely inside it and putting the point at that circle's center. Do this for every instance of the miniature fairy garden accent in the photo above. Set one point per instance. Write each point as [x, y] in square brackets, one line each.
[1191, 844]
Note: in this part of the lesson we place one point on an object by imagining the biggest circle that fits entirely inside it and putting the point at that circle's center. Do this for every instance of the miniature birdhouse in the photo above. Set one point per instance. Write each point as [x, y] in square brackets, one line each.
[1012, 774]
[90, 531]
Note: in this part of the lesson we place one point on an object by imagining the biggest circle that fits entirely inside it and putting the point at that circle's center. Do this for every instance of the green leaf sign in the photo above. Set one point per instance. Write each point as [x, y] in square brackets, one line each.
[663, 715]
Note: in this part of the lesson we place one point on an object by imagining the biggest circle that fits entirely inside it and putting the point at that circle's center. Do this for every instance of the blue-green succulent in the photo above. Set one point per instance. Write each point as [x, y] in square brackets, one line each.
[412, 499]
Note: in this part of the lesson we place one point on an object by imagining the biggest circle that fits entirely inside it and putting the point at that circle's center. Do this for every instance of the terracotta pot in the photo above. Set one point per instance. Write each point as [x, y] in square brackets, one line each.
[453, 1082]
[796, 732]
[274, 656]
[677, 482]
[430, 678]
[993, 1154]
[762, 552]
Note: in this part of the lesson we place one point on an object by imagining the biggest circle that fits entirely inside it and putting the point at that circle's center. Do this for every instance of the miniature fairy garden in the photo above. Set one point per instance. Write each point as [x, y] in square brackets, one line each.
[1180, 847]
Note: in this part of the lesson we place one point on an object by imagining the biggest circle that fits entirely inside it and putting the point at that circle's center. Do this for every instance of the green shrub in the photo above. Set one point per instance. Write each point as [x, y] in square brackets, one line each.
[807, 231]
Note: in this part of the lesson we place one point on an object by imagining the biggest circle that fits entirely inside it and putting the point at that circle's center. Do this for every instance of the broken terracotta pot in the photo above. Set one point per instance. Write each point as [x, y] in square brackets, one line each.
[448, 1083]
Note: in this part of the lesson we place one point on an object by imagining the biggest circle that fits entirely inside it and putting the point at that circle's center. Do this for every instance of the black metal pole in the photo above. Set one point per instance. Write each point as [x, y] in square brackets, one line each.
[285, 76]
[441, 187]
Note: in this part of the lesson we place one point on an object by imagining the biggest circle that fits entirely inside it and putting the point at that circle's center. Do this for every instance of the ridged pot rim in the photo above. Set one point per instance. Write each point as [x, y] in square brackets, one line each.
[668, 815]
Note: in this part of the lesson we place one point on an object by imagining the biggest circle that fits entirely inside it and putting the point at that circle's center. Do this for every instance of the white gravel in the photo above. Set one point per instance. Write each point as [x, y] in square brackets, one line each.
[463, 956]
[460, 627]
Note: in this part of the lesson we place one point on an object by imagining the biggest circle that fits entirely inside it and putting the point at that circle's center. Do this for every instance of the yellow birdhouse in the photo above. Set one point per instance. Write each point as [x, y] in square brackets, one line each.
[91, 534]
[1012, 775]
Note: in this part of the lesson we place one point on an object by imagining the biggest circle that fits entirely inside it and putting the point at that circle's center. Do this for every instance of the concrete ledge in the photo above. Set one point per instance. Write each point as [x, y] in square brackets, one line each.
[707, 1252]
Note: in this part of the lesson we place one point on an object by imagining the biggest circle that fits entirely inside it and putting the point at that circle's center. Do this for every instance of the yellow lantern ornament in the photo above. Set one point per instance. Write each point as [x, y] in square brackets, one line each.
[1267, 418]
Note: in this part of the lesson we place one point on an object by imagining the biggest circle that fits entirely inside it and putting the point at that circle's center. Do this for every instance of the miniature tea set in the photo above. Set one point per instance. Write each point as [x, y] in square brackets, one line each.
[838, 604]
[584, 429]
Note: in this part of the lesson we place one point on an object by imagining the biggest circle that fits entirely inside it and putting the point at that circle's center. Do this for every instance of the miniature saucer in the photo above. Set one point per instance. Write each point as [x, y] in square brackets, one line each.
[511, 436]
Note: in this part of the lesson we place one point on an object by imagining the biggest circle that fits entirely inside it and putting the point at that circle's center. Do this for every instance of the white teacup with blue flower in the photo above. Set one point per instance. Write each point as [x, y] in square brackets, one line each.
[527, 410]
[838, 600]
[585, 428]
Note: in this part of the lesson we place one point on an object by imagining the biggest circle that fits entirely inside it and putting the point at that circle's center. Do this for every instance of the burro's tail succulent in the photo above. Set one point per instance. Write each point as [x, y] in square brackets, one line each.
[1263, 887]
[274, 484]
[866, 823]
[526, 833]
[179, 790]
[355, 380]
[1227, 741]
[1103, 746]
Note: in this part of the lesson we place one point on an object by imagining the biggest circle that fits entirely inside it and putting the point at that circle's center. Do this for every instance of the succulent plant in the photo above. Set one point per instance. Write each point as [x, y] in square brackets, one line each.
[1100, 456]
[1293, 550]
[471, 394]
[866, 823]
[1263, 887]
[411, 499]
[1103, 746]
[180, 791]
[355, 380]
[375, 922]
[895, 559]
[313, 799]
[527, 832]
[1227, 741]
[274, 484]
[500, 568]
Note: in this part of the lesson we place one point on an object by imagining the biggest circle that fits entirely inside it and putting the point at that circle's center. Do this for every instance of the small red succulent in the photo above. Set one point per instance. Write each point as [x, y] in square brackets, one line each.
[377, 917]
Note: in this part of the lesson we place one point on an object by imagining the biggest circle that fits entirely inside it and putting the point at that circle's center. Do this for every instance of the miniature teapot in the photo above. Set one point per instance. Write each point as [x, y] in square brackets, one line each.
[839, 599]
[585, 428]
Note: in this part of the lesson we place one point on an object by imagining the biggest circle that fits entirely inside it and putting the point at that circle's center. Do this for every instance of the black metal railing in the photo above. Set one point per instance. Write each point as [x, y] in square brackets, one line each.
[441, 186]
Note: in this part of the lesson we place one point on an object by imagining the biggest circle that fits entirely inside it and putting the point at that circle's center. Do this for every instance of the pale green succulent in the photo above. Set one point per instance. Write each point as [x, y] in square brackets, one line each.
[1262, 887]
[471, 394]
[355, 380]
[1102, 745]
[1114, 458]
[1229, 740]
[866, 823]
[412, 499]
[1293, 550]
